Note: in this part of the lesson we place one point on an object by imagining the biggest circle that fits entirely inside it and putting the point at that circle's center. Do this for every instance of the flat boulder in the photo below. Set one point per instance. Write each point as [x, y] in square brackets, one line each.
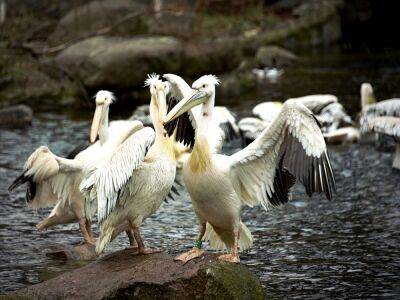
[87, 19]
[124, 274]
[271, 56]
[120, 62]
[16, 116]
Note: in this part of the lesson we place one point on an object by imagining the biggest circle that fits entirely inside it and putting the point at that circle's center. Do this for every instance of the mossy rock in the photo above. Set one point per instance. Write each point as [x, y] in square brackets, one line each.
[126, 275]
[118, 62]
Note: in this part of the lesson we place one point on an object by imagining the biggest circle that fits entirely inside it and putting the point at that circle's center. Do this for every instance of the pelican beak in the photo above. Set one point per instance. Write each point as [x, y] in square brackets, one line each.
[197, 98]
[97, 118]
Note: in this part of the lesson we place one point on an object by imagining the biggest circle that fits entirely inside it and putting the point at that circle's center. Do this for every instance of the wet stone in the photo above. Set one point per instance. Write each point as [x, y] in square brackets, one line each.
[125, 274]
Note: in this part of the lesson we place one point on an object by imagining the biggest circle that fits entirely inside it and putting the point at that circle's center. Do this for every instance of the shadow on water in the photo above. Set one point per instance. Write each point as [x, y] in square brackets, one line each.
[310, 248]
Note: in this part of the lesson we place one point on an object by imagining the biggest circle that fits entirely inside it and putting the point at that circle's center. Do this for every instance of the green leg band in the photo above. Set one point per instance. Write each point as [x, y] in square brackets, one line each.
[197, 244]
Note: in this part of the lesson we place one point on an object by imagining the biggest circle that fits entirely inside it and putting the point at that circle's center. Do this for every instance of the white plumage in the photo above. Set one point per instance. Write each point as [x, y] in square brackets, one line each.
[54, 181]
[132, 183]
[381, 117]
[262, 173]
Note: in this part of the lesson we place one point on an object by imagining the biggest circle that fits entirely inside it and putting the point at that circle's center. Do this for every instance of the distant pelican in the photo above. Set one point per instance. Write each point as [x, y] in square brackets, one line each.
[131, 183]
[329, 112]
[271, 74]
[54, 181]
[262, 173]
[391, 127]
[381, 117]
[372, 109]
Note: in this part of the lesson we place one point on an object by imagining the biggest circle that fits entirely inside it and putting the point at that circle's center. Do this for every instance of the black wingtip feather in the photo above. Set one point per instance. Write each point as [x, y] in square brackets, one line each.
[315, 173]
[185, 132]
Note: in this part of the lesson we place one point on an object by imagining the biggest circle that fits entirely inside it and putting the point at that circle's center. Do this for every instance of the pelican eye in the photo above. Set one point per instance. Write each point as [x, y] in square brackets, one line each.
[204, 85]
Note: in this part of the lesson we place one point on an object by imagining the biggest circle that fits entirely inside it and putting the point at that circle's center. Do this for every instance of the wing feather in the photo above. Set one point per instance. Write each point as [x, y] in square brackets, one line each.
[107, 179]
[291, 148]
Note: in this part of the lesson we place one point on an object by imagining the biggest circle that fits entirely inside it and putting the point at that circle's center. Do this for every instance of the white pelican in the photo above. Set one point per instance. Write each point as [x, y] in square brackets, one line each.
[372, 109]
[262, 173]
[391, 127]
[54, 181]
[131, 183]
[272, 74]
[329, 112]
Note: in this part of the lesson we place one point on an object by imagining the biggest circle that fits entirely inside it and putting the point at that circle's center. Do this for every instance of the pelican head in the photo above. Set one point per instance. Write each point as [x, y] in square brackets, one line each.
[203, 90]
[103, 101]
[367, 95]
[158, 90]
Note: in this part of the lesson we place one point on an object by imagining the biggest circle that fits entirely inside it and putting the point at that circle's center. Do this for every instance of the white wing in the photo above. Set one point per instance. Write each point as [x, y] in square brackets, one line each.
[292, 147]
[316, 103]
[386, 125]
[108, 177]
[48, 181]
[389, 107]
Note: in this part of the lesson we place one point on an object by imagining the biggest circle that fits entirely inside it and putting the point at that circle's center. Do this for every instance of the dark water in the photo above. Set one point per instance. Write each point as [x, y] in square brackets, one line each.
[310, 248]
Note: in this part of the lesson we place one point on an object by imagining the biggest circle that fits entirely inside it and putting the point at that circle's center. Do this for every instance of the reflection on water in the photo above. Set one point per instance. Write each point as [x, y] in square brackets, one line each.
[311, 248]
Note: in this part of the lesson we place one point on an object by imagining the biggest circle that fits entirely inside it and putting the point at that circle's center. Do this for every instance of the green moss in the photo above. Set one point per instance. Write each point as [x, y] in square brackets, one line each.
[223, 282]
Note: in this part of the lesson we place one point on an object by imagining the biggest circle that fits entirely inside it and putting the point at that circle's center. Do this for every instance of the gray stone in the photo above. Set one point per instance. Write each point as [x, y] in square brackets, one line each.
[87, 19]
[120, 62]
[274, 56]
[16, 116]
[126, 275]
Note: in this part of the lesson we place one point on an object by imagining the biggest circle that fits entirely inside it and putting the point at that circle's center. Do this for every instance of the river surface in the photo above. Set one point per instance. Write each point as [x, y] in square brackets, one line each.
[311, 248]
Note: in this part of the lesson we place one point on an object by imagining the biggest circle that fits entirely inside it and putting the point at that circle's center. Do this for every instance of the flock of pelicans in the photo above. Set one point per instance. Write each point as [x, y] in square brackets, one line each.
[129, 169]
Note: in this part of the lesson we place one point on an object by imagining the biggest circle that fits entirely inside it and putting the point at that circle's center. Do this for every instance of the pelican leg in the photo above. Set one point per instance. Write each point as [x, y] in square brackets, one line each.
[131, 236]
[396, 161]
[233, 256]
[195, 251]
[141, 248]
[86, 236]
[88, 225]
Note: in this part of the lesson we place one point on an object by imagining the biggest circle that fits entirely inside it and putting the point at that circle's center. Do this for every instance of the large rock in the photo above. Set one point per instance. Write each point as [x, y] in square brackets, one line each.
[124, 275]
[24, 79]
[271, 56]
[89, 18]
[16, 116]
[120, 62]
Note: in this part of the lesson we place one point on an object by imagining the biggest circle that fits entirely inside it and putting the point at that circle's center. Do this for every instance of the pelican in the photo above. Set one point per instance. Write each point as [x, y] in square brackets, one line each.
[389, 126]
[381, 117]
[131, 183]
[372, 109]
[329, 112]
[262, 173]
[272, 74]
[54, 181]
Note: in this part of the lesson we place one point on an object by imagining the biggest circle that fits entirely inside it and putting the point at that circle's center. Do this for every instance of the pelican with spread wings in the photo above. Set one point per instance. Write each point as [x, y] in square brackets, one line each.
[54, 181]
[131, 183]
[291, 148]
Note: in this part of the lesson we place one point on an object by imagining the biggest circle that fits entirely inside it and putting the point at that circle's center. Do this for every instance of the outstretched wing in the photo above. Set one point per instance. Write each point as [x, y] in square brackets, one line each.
[389, 107]
[386, 125]
[291, 148]
[109, 177]
[48, 179]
